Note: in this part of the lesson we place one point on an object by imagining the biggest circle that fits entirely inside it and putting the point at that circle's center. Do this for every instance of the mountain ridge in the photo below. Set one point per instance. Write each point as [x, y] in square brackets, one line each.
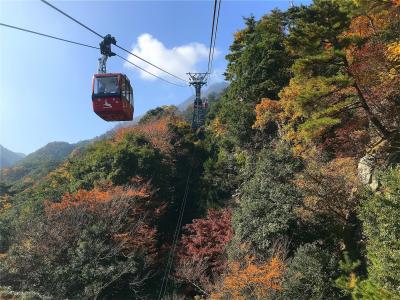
[38, 163]
[8, 158]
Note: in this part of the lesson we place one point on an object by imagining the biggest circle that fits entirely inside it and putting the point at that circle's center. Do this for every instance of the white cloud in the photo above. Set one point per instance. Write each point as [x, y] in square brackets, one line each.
[217, 75]
[177, 60]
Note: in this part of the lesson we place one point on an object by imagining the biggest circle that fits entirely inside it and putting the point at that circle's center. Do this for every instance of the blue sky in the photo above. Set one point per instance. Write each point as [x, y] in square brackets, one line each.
[46, 84]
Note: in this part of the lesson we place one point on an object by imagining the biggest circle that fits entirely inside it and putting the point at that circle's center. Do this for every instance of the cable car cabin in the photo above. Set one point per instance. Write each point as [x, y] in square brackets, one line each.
[112, 97]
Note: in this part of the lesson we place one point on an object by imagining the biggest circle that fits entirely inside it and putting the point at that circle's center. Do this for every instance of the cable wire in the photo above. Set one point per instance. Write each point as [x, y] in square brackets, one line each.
[144, 70]
[48, 36]
[215, 38]
[84, 45]
[175, 239]
[150, 63]
[98, 34]
[212, 36]
[168, 268]
[73, 19]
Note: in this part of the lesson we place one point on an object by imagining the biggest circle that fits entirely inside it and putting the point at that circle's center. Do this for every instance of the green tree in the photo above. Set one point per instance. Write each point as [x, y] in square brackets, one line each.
[118, 161]
[159, 113]
[267, 200]
[258, 66]
[356, 287]
[380, 214]
[309, 275]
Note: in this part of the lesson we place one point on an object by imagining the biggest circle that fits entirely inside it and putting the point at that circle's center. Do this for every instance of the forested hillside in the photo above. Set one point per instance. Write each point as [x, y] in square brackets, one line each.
[290, 191]
[9, 158]
[36, 165]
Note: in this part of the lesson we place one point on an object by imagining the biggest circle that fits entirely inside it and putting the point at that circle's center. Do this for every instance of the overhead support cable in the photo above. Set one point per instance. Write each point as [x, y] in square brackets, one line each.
[144, 70]
[168, 268]
[48, 36]
[102, 37]
[212, 36]
[85, 45]
[215, 38]
[151, 64]
[73, 19]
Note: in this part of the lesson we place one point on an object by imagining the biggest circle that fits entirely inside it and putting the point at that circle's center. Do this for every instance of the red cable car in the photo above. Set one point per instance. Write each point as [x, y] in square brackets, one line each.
[112, 97]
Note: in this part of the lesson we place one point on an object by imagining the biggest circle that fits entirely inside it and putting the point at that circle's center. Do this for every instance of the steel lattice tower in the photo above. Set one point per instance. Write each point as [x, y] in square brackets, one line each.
[199, 109]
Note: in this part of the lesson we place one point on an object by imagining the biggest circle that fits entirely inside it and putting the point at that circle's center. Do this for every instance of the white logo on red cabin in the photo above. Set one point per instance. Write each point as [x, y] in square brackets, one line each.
[107, 105]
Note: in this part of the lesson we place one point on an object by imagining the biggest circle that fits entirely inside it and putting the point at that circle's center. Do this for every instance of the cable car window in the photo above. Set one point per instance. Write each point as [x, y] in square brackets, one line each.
[128, 93]
[123, 87]
[106, 85]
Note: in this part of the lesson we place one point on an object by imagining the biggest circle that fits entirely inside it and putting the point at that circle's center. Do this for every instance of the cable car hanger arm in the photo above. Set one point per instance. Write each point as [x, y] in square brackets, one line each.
[105, 50]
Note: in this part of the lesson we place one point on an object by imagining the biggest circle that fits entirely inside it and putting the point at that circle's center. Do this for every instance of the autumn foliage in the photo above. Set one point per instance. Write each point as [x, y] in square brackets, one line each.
[329, 188]
[157, 132]
[107, 231]
[103, 198]
[267, 111]
[206, 239]
[249, 279]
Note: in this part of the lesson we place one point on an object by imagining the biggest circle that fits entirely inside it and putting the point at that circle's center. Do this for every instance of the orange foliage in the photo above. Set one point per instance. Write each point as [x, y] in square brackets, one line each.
[156, 132]
[250, 279]
[361, 27]
[266, 111]
[104, 193]
[143, 239]
[126, 211]
[376, 18]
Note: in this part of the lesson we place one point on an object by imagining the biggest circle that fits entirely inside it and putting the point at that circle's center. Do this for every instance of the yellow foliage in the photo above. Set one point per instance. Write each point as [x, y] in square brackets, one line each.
[251, 279]
[217, 127]
[239, 36]
[266, 111]
[5, 172]
[59, 176]
[352, 281]
[287, 99]
[393, 52]
[5, 203]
